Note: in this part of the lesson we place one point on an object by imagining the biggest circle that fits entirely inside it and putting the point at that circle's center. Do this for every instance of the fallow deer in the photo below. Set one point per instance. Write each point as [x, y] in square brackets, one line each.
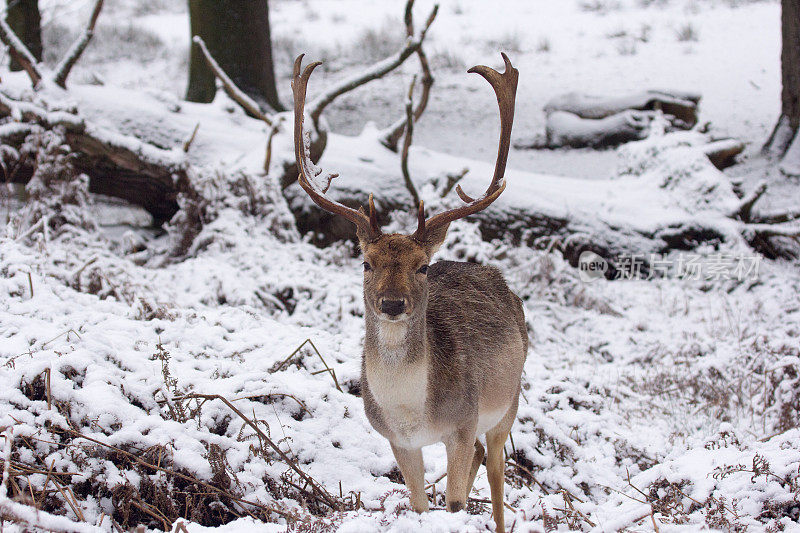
[446, 342]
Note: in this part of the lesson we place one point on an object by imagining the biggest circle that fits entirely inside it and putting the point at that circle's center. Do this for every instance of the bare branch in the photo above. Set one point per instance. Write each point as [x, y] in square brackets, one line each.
[407, 144]
[391, 136]
[236, 94]
[452, 181]
[774, 230]
[19, 52]
[324, 495]
[71, 57]
[776, 218]
[272, 131]
[378, 70]
[744, 212]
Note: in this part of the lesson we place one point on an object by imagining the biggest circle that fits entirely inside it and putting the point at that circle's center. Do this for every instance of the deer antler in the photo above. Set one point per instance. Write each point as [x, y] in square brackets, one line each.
[505, 87]
[308, 171]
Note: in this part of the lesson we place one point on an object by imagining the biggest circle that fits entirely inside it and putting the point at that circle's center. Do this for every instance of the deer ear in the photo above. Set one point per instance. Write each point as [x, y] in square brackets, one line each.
[434, 239]
[364, 236]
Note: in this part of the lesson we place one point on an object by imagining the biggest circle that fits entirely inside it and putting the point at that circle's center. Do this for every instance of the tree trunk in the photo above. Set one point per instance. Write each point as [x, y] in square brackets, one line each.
[24, 18]
[789, 121]
[790, 61]
[237, 34]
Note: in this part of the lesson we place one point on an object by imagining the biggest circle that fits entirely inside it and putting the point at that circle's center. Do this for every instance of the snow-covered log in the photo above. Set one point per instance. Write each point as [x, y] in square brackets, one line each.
[681, 105]
[666, 195]
[568, 129]
[579, 120]
[117, 165]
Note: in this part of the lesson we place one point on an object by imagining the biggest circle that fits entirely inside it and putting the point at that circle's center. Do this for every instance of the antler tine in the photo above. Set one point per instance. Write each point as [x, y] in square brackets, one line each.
[369, 224]
[505, 88]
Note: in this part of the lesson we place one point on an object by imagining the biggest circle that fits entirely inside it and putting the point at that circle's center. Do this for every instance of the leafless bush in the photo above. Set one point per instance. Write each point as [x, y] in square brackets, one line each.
[510, 42]
[374, 44]
[600, 6]
[687, 33]
[155, 7]
[209, 195]
[543, 46]
[446, 59]
[57, 195]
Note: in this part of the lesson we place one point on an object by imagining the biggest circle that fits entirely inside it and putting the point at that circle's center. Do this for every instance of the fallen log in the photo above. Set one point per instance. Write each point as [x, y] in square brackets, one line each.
[117, 165]
[578, 120]
[666, 196]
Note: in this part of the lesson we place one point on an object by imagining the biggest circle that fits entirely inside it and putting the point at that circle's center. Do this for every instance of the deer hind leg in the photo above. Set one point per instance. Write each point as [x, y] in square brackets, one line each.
[413, 470]
[477, 459]
[495, 463]
[460, 454]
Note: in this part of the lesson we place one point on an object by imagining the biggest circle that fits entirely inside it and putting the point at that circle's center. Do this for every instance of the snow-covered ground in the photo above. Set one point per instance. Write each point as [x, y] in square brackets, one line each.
[665, 404]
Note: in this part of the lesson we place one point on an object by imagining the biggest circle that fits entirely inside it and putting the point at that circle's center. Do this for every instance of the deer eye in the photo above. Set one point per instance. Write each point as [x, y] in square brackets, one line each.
[367, 267]
[423, 269]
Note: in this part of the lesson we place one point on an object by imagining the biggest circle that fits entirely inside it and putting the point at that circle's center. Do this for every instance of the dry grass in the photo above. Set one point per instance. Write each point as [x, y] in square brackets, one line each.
[165, 493]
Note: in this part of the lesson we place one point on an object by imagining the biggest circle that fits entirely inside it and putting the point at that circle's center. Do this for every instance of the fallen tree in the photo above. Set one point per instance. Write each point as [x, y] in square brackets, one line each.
[579, 120]
[117, 165]
[666, 196]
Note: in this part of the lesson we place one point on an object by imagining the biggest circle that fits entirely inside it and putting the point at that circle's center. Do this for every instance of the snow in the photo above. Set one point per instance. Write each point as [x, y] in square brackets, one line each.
[628, 385]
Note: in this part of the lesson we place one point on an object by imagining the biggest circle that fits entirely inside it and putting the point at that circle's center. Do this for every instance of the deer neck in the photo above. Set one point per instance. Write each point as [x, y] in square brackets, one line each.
[396, 343]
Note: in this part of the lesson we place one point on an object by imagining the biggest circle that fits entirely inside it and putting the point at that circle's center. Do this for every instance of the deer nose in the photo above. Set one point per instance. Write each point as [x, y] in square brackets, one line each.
[392, 307]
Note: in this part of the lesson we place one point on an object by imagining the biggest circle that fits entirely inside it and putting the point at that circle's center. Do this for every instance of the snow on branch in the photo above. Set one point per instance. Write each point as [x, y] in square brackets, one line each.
[71, 57]
[744, 212]
[375, 71]
[236, 94]
[31, 113]
[20, 52]
[391, 136]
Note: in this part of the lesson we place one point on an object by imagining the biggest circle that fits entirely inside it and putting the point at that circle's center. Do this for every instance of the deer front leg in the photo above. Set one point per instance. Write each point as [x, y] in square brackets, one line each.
[460, 453]
[413, 469]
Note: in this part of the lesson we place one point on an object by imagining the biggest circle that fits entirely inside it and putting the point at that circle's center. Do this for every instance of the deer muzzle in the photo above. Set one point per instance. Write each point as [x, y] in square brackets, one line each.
[391, 307]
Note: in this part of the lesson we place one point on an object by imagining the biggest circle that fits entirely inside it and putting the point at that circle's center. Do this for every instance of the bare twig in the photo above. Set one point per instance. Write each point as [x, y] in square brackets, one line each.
[329, 370]
[76, 50]
[190, 140]
[407, 144]
[316, 487]
[9, 438]
[280, 394]
[181, 475]
[67, 332]
[73, 504]
[236, 94]
[152, 511]
[47, 388]
[378, 70]
[568, 503]
[19, 52]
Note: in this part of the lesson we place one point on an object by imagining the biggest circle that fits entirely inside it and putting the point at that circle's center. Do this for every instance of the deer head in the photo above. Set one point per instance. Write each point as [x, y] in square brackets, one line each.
[395, 265]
